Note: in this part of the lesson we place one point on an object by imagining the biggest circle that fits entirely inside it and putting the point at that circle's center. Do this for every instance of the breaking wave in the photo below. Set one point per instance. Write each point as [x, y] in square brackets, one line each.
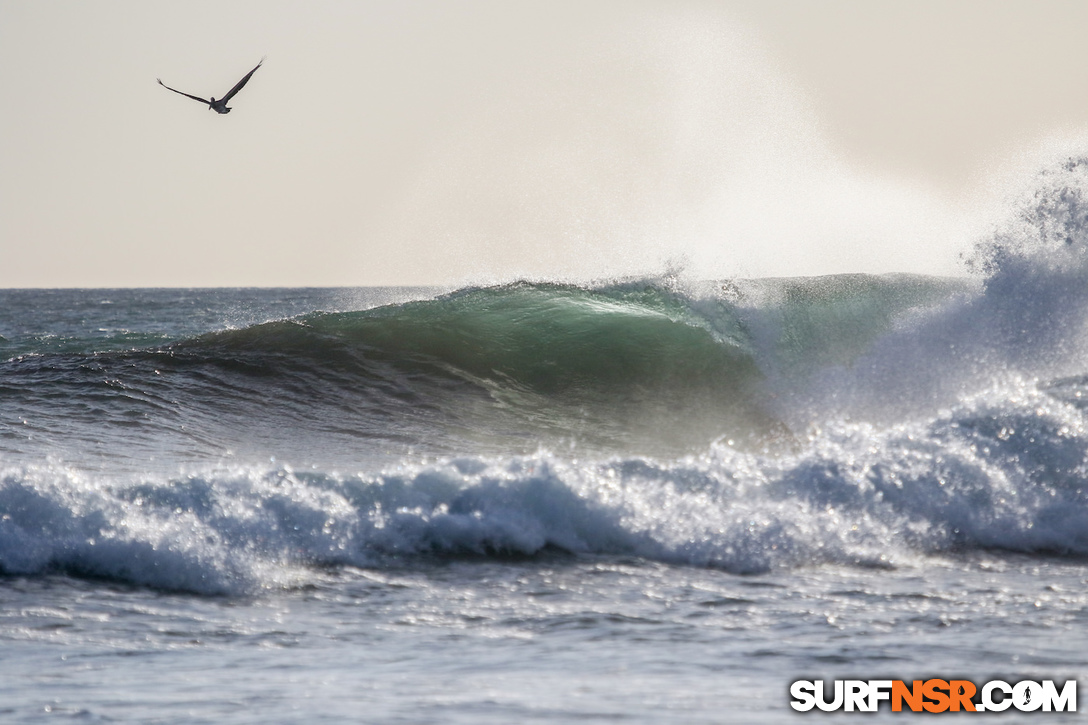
[993, 473]
[747, 425]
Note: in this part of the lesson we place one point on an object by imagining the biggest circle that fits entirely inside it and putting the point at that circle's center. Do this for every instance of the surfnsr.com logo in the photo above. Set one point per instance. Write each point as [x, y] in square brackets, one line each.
[934, 696]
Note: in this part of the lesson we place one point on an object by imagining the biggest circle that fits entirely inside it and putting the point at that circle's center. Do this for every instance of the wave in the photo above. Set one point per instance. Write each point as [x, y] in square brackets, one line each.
[987, 475]
[1026, 317]
[747, 425]
[644, 365]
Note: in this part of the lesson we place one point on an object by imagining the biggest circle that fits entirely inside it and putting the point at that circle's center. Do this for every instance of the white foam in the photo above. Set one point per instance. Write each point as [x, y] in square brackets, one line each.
[1002, 470]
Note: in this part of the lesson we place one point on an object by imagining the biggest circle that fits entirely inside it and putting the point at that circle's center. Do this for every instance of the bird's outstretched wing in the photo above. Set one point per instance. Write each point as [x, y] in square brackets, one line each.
[175, 90]
[238, 86]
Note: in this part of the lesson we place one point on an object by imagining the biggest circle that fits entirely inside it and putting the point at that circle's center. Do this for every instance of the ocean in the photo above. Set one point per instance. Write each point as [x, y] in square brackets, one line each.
[639, 500]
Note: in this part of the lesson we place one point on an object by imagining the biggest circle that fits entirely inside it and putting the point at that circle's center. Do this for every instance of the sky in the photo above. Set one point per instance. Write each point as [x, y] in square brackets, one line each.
[480, 141]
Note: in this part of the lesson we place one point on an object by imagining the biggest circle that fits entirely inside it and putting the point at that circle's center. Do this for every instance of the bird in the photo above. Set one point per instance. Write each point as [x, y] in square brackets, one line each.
[219, 106]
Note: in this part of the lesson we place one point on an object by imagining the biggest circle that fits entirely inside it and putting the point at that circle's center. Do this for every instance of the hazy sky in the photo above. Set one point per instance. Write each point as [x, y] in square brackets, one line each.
[427, 141]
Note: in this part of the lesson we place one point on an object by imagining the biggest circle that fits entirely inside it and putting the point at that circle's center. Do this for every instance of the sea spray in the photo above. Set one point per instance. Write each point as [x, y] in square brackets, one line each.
[1024, 318]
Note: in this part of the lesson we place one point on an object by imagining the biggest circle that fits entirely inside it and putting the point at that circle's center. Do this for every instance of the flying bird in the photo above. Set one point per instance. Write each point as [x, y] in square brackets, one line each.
[219, 106]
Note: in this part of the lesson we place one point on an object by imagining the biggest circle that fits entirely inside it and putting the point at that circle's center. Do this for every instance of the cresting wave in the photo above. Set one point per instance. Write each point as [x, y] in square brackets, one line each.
[747, 425]
[646, 366]
[540, 357]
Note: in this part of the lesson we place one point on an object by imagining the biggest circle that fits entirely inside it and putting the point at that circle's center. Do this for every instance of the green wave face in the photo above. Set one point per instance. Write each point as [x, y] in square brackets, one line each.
[633, 368]
[617, 364]
[555, 341]
[599, 366]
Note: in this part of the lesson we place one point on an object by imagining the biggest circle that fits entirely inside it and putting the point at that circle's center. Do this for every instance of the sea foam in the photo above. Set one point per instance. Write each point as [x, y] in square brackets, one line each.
[1005, 470]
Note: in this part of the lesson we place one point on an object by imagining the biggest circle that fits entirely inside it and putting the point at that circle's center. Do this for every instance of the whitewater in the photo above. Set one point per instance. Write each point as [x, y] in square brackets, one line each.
[645, 499]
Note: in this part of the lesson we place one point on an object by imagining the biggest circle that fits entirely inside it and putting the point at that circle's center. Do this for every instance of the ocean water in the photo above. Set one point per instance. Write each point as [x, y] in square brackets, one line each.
[640, 500]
